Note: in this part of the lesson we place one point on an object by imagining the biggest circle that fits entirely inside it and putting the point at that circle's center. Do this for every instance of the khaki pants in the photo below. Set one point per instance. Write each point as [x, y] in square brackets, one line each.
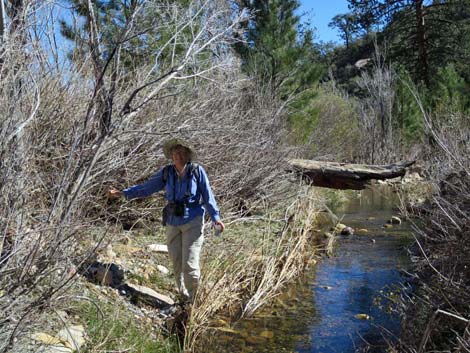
[184, 247]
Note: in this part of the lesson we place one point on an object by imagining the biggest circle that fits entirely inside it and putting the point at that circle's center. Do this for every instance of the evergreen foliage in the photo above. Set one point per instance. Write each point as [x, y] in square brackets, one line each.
[450, 93]
[280, 54]
[149, 32]
[277, 50]
[422, 36]
[406, 111]
[348, 26]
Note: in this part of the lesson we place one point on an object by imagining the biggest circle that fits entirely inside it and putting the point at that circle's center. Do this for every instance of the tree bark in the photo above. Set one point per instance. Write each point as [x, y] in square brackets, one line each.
[2, 21]
[421, 42]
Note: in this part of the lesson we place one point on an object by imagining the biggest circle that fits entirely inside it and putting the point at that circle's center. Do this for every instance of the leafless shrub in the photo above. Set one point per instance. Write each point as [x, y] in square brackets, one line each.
[437, 315]
[375, 111]
[68, 131]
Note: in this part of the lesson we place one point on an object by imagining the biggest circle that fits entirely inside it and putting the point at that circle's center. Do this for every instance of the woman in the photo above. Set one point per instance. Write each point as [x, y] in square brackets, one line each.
[186, 185]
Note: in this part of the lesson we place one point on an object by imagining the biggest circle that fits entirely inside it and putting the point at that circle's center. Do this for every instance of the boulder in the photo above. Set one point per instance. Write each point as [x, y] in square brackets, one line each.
[347, 231]
[361, 63]
[163, 269]
[74, 335]
[104, 274]
[362, 316]
[148, 296]
[395, 220]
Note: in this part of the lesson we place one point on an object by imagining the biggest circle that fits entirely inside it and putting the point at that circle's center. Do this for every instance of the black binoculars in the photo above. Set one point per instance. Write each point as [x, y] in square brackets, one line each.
[173, 209]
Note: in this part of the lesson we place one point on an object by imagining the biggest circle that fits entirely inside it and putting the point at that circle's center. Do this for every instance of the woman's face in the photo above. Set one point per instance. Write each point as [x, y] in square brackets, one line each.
[180, 155]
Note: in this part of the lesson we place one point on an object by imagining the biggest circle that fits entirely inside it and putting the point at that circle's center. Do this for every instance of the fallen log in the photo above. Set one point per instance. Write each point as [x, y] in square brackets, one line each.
[343, 175]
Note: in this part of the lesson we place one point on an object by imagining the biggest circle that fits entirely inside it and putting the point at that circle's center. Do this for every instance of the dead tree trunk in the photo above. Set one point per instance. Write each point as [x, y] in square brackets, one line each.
[345, 176]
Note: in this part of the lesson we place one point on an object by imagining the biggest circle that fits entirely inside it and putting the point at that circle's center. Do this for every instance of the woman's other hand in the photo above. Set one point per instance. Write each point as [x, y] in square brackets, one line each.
[218, 224]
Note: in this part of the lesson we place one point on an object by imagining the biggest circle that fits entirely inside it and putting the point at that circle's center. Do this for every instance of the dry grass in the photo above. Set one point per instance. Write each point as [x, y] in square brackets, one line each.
[245, 276]
[438, 315]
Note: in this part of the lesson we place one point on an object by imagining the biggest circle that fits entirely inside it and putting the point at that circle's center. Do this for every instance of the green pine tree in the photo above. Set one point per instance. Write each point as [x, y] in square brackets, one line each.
[279, 53]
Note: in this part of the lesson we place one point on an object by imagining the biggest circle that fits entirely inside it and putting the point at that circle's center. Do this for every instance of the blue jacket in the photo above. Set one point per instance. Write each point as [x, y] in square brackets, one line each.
[176, 189]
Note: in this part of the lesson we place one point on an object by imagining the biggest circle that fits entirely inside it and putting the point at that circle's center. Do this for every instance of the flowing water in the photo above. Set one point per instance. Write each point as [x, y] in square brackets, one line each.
[320, 313]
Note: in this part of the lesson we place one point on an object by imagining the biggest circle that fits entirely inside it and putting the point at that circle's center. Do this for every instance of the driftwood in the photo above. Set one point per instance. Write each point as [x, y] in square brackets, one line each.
[343, 175]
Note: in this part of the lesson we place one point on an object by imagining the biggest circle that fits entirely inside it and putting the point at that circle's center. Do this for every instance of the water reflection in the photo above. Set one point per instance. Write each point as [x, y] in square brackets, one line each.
[319, 313]
[356, 275]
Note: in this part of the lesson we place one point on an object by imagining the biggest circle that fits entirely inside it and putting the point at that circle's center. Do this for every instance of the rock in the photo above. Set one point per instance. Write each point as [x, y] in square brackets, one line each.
[362, 63]
[74, 335]
[163, 269]
[412, 177]
[327, 287]
[339, 227]
[395, 220]
[54, 344]
[387, 225]
[63, 316]
[105, 274]
[347, 231]
[267, 334]
[160, 248]
[149, 296]
[363, 230]
[362, 316]
[47, 339]
[372, 241]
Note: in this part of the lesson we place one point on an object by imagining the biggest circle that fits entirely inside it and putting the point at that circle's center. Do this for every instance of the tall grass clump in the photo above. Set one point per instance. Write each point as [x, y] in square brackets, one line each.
[252, 270]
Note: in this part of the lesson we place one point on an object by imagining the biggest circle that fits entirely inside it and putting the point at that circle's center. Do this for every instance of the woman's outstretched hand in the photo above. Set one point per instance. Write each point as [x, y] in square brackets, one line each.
[114, 193]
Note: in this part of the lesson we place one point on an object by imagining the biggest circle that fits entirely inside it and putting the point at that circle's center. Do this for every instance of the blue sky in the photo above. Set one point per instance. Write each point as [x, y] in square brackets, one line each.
[319, 13]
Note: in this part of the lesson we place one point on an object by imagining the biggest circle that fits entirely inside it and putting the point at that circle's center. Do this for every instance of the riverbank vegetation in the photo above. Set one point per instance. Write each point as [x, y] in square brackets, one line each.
[86, 102]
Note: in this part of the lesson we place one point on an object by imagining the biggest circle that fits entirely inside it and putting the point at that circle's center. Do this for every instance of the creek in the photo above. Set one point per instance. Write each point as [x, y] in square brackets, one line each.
[320, 312]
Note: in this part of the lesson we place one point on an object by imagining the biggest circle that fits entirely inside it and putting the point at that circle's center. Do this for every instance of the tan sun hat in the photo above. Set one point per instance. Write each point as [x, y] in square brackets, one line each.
[172, 143]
